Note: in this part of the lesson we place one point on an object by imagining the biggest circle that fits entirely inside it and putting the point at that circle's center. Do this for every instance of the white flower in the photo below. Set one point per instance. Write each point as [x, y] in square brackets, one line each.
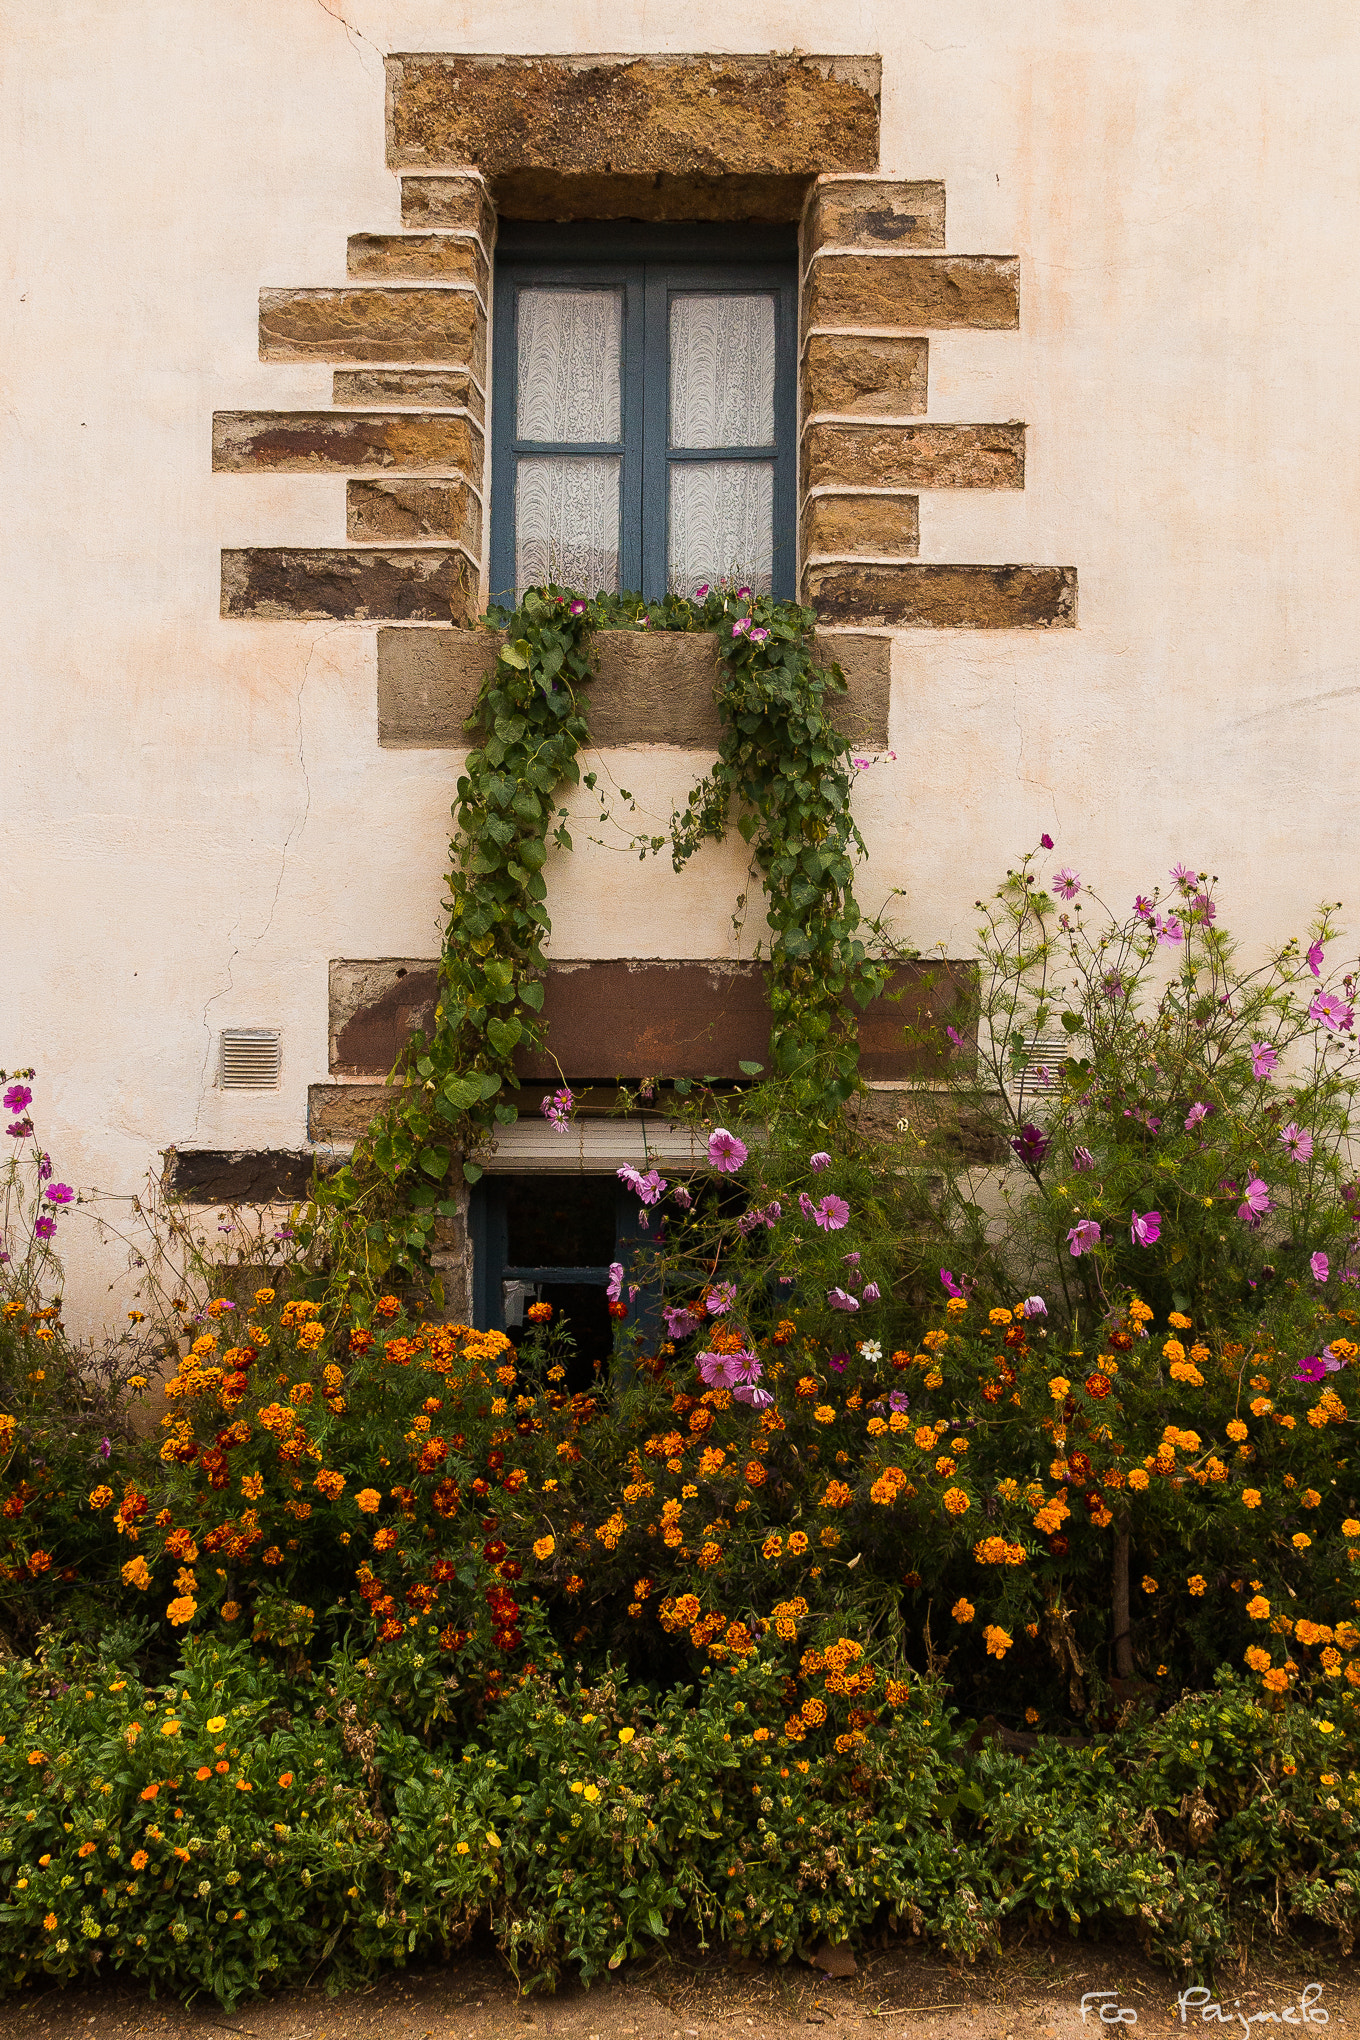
[871, 1351]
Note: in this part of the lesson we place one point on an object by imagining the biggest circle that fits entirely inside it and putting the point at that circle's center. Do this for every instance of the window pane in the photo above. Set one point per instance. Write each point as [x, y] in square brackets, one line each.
[567, 522]
[721, 523]
[722, 370]
[570, 354]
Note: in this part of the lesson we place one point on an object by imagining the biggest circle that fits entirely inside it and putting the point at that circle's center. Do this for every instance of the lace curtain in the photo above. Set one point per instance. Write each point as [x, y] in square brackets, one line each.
[570, 347]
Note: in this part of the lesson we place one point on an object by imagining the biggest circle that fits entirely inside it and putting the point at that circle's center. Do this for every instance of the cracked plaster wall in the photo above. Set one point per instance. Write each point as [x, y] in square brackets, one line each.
[196, 815]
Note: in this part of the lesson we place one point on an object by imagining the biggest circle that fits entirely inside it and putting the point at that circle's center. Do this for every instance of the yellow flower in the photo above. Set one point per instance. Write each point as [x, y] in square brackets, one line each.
[1197, 1584]
[1138, 1478]
[1251, 1498]
[170, 1728]
[1258, 1607]
[592, 1793]
[1261, 1406]
[626, 1734]
[136, 1574]
[1181, 1323]
[462, 1848]
[368, 1500]
[182, 1609]
[1300, 1540]
[216, 1723]
[824, 1413]
[998, 1640]
[1236, 1430]
[493, 1838]
[263, 1297]
[1350, 1528]
[1060, 1388]
[1310, 1498]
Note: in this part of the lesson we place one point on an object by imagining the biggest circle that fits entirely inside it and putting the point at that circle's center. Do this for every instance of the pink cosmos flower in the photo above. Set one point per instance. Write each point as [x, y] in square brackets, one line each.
[755, 1398]
[1315, 959]
[871, 1292]
[850, 1260]
[1045, 842]
[1142, 907]
[806, 1205]
[615, 1286]
[557, 1109]
[17, 1096]
[1202, 908]
[839, 1300]
[726, 1153]
[1169, 931]
[1195, 1114]
[950, 1284]
[20, 1129]
[1311, 1369]
[821, 1160]
[717, 1369]
[1083, 1159]
[1320, 1267]
[1034, 1306]
[1145, 1231]
[1263, 1058]
[839, 1362]
[682, 1197]
[1066, 882]
[832, 1214]
[700, 593]
[59, 1193]
[1184, 878]
[1331, 1012]
[679, 1321]
[1297, 1144]
[651, 1188]
[720, 1297]
[1083, 1238]
[44, 1227]
[1255, 1202]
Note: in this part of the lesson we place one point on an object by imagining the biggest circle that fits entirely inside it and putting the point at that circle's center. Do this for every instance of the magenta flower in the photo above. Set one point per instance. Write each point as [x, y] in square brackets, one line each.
[682, 1197]
[821, 1160]
[651, 1188]
[680, 1322]
[1297, 1144]
[578, 608]
[1185, 879]
[1066, 882]
[1034, 1306]
[1083, 1238]
[758, 637]
[615, 1287]
[1031, 1144]
[1202, 908]
[1143, 907]
[1263, 1058]
[700, 593]
[806, 1205]
[44, 1227]
[1145, 1231]
[1083, 1159]
[20, 1129]
[871, 1292]
[44, 1168]
[1331, 1012]
[1195, 1114]
[755, 1398]
[1315, 959]
[1169, 931]
[1255, 1202]
[743, 594]
[717, 1369]
[950, 1284]
[720, 1298]
[557, 1109]
[838, 1300]
[59, 1193]
[850, 1260]
[17, 1096]
[838, 1362]
[741, 626]
[832, 1214]
[899, 1400]
[1319, 1267]
[1045, 842]
[954, 1036]
[725, 1151]
[1311, 1369]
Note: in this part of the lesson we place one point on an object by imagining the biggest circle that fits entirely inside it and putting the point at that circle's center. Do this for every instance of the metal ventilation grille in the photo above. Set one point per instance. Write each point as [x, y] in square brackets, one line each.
[250, 1058]
[1044, 1059]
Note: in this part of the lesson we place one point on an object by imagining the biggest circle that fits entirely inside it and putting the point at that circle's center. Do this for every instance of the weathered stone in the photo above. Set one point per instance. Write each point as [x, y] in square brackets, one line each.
[419, 258]
[647, 690]
[860, 526]
[341, 1113]
[915, 291]
[547, 195]
[848, 376]
[914, 456]
[449, 202]
[302, 442]
[415, 389]
[427, 585]
[632, 1017]
[414, 511]
[445, 325]
[634, 115]
[919, 593]
[237, 1176]
[873, 212]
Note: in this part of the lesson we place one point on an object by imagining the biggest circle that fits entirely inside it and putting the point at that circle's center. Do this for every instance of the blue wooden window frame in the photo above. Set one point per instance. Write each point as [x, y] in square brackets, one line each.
[650, 265]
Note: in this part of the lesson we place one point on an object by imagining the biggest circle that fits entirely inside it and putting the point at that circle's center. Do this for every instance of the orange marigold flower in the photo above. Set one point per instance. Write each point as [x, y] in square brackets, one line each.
[203, 1771]
[182, 1609]
[837, 1495]
[544, 1547]
[100, 1497]
[149, 1791]
[368, 1500]
[963, 1610]
[1197, 1584]
[85, 1849]
[1258, 1607]
[998, 1640]
[798, 1543]
[956, 1501]
[285, 1779]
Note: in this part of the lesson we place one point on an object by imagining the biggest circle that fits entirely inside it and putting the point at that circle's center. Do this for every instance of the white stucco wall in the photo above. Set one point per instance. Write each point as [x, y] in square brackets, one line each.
[196, 815]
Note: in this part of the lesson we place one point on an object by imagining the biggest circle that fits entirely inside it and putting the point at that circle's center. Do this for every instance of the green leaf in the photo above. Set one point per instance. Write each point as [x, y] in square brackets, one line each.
[517, 655]
[1073, 1022]
[462, 1092]
[472, 1172]
[435, 1161]
[750, 1069]
[504, 1036]
[531, 992]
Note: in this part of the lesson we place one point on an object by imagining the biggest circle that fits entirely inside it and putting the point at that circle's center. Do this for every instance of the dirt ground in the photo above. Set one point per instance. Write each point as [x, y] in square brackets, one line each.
[1033, 1992]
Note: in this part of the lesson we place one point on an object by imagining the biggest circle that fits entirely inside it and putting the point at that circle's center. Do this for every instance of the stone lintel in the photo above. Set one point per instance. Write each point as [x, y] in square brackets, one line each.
[411, 389]
[405, 324]
[915, 292]
[629, 115]
[549, 195]
[457, 202]
[874, 212]
[920, 594]
[647, 690]
[302, 442]
[861, 525]
[433, 584]
[914, 456]
[848, 375]
[419, 258]
[414, 512]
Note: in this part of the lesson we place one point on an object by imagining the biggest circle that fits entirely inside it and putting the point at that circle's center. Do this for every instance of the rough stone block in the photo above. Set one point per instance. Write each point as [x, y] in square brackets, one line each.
[329, 442]
[859, 526]
[914, 456]
[376, 1003]
[412, 389]
[848, 376]
[919, 593]
[237, 1176]
[449, 202]
[428, 585]
[341, 1113]
[414, 512]
[410, 324]
[874, 212]
[708, 115]
[548, 195]
[936, 292]
[647, 690]
[420, 258]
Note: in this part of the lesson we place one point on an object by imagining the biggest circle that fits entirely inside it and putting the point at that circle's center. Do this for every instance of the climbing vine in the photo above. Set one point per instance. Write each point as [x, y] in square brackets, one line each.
[784, 765]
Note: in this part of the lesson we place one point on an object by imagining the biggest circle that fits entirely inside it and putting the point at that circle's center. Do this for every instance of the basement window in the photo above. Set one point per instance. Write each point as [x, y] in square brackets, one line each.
[643, 408]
